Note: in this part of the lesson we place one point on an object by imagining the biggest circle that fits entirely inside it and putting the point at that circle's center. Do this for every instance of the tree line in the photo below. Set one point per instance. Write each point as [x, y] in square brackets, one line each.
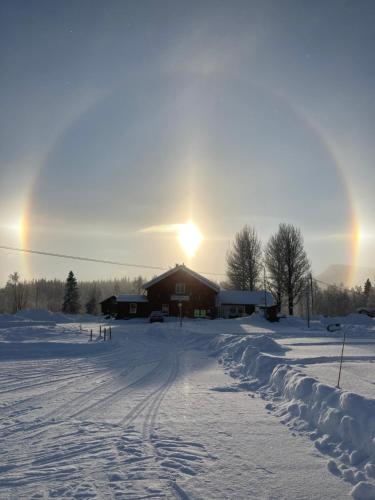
[57, 295]
[281, 266]
[336, 300]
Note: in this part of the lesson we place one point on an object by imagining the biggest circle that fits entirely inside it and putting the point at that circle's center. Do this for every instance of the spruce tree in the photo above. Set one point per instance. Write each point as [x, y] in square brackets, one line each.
[367, 288]
[71, 303]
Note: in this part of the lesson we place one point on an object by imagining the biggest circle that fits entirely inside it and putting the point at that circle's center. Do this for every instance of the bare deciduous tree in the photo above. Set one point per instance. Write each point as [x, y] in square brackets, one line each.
[17, 293]
[244, 260]
[92, 304]
[287, 265]
[274, 261]
[295, 263]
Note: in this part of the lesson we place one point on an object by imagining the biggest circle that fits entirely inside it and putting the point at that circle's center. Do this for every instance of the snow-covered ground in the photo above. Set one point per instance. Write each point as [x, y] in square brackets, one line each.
[194, 412]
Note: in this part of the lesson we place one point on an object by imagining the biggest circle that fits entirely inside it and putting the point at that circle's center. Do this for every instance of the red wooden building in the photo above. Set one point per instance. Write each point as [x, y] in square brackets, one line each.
[178, 288]
[183, 288]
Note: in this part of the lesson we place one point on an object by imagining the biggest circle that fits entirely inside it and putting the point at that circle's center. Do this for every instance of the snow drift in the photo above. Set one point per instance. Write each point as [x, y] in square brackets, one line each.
[341, 424]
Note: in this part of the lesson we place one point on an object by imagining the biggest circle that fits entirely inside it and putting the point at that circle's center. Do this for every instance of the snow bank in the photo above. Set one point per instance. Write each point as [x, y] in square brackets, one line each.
[350, 319]
[40, 315]
[341, 424]
[55, 317]
[252, 357]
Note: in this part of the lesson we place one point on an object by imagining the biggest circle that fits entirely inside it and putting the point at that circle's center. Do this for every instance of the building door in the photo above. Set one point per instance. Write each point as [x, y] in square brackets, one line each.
[165, 309]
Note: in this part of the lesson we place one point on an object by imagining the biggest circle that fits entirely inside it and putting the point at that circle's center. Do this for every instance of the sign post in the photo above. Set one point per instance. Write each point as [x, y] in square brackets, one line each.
[180, 309]
[335, 327]
[341, 359]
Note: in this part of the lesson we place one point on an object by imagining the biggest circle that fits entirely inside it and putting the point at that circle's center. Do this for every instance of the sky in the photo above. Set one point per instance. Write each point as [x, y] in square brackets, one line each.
[122, 120]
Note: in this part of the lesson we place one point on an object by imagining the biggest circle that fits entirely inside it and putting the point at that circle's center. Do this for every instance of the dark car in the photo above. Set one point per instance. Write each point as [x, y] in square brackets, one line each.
[369, 311]
[156, 317]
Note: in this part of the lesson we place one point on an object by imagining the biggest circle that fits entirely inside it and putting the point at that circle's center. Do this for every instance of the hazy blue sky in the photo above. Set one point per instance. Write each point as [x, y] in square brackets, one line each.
[117, 116]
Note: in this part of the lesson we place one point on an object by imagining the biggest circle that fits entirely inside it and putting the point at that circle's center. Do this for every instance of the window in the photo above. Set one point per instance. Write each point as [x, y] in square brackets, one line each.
[133, 308]
[200, 313]
[165, 309]
[180, 288]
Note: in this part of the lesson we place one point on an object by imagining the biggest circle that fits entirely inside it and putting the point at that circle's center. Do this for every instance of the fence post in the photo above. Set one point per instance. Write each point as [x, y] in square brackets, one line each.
[105, 331]
[110, 333]
[100, 331]
[91, 335]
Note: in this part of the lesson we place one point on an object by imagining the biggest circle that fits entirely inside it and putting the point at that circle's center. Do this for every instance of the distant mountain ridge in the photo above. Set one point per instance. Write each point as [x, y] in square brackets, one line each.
[338, 274]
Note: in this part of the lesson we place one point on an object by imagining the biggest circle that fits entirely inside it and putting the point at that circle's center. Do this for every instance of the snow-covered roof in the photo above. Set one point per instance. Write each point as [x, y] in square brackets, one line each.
[192, 273]
[245, 297]
[131, 298]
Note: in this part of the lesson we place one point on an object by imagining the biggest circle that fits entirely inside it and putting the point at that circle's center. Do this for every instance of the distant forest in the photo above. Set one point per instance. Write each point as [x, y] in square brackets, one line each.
[49, 294]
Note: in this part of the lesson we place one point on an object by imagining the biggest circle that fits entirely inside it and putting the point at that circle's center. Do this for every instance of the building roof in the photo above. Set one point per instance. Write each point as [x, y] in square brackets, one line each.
[245, 297]
[131, 298]
[182, 267]
[108, 298]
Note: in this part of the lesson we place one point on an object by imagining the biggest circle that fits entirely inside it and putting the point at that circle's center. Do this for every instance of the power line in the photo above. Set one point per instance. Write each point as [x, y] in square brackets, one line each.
[123, 264]
[89, 259]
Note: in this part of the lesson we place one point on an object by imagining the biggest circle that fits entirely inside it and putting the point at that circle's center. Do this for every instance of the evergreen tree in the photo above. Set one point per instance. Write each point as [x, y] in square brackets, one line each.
[71, 303]
[244, 260]
[367, 288]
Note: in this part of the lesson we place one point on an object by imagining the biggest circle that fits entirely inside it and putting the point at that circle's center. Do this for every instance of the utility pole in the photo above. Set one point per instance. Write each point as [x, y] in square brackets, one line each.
[308, 304]
[312, 294]
[265, 286]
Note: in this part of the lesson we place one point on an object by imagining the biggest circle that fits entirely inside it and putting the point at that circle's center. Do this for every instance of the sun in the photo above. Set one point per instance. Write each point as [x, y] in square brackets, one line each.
[190, 238]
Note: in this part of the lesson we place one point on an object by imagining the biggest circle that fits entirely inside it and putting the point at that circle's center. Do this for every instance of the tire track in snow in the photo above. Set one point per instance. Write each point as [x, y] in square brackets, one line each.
[146, 401]
[151, 415]
[115, 394]
[67, 407]
[169, 458]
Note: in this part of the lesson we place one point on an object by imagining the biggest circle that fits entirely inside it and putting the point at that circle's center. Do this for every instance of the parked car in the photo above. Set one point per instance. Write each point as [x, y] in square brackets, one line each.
[156, 317]
[334, 327]
[367, 310]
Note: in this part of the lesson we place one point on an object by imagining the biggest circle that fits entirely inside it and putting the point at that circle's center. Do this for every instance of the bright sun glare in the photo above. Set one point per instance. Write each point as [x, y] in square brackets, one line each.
[190, 238]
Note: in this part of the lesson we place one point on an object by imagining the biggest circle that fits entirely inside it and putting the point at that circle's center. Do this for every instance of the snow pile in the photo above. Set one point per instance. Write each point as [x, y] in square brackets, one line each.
[7, 317]
[42, 315]
[341, 424]
[251, 358]
[351, 319]
[344, 423]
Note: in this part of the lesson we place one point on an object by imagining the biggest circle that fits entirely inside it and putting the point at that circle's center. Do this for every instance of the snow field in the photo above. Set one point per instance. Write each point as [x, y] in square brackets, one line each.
[152, 415]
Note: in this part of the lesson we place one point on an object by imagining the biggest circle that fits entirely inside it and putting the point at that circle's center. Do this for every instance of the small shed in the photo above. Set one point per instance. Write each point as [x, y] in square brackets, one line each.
[132, 306]
[109, 306]
[125, 306]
